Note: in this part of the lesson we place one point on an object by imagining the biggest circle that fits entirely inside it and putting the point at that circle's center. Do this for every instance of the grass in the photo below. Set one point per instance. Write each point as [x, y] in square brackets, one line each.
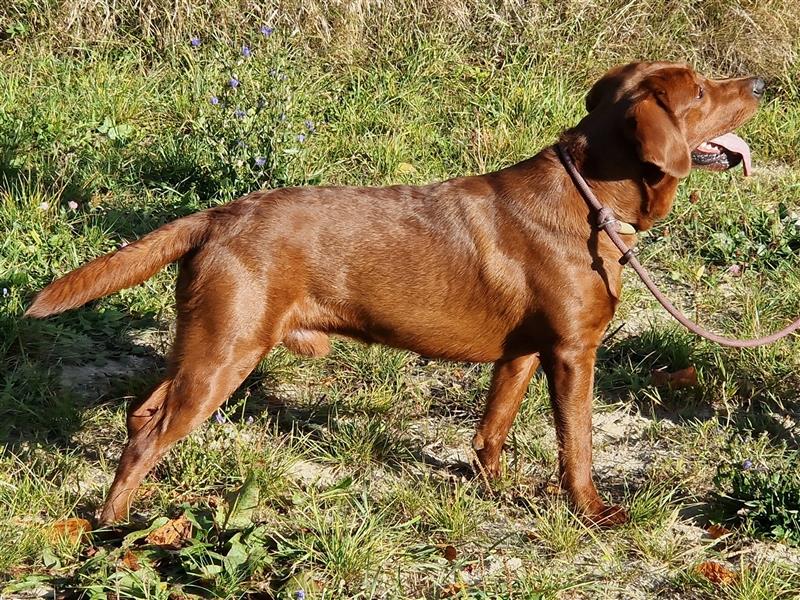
[358, 464]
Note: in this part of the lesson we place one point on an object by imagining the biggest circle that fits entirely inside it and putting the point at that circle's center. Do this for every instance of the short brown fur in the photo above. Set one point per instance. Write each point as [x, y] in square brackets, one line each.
[504, 267]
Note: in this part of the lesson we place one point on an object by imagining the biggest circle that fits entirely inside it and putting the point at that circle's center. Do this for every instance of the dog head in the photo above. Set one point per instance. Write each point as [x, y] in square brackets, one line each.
[676, 118]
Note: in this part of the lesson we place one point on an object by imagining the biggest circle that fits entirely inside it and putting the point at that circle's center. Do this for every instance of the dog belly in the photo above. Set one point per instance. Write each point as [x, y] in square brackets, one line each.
[475, 339]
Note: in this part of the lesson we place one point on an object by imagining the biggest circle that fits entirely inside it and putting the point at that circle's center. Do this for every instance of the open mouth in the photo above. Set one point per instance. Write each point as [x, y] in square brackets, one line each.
[722, 153]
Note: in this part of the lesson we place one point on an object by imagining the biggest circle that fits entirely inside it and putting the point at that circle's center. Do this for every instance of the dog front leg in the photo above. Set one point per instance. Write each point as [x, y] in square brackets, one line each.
[570, 377]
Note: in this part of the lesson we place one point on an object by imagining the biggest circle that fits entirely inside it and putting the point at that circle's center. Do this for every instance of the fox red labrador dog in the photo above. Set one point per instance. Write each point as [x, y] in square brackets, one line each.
[506, 267]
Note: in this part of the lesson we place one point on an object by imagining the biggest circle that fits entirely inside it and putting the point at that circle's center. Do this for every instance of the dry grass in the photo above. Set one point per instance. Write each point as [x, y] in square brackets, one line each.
[717, 35]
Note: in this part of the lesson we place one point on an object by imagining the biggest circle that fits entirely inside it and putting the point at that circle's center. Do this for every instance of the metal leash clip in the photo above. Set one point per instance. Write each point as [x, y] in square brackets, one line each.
[606, 217]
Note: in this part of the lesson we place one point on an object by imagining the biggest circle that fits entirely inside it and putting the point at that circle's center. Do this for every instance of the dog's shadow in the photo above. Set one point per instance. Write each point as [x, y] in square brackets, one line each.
[59, 368]
[319, 419]
[754, 400]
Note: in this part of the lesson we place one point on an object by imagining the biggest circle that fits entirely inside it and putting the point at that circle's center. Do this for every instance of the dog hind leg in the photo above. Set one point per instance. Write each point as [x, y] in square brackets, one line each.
[217, 345]
[510, 380]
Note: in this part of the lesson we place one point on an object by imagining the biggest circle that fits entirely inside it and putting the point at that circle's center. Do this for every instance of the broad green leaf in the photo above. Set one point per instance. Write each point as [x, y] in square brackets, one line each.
[242, 505]
[237, 555]
[50, 560]
[210, 571]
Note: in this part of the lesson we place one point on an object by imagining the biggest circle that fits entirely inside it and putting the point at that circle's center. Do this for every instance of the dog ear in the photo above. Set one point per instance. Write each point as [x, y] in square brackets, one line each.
[615, 82]
[600, 91]
[605, 87]
[658, 138]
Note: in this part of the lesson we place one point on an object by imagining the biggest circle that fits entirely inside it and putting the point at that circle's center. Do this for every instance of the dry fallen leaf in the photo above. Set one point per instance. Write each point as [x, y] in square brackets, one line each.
[130, 561]
[676, 380]
[450, 553]
[452, 589]
[172, 534]
[405, 168]
[69, 529]
[717, 531]
[715, 572]
[553, 489]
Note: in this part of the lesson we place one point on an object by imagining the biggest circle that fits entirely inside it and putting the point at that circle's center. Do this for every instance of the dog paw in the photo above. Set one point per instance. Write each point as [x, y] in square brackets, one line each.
[488, 459]
[491, 470]
[607, 516]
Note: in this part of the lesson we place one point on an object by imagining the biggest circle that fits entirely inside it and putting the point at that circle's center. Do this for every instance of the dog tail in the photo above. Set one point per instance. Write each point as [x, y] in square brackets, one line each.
[122, 268]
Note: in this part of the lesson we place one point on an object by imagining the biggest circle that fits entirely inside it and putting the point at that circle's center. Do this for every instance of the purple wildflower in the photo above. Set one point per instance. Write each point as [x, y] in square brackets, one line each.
[195, 42]
[233, 82]
[310, 125]
[72, 205]
[300, 595]
[266, 31]
[246, 52]
[240, 113]
[260, 162]
[301, 138]
[219, 417]
[747, 465]
[735, 270]
[214, 100]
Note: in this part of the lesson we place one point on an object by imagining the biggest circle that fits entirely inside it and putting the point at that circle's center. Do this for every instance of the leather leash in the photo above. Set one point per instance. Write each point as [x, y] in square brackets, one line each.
[609, 223]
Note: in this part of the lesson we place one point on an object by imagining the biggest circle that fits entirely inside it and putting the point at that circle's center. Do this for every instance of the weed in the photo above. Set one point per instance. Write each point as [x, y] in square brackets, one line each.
[764, 494]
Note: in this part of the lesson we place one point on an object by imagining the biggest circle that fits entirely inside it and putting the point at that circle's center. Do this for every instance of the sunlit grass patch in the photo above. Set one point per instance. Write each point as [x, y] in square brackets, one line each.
[346, 537]
[759, 487]
[361, 444]
[651, 532]
[559, 529]
[448, 512]
[745, 581]
[652, 507]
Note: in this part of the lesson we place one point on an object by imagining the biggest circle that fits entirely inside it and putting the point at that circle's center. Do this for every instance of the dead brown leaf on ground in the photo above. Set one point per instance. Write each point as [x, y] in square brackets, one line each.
[715, 572]
[683, 378]
[450, 553]
[69, 529]
[172, 534]
[717, 531]
[453, 589]
[130, 561]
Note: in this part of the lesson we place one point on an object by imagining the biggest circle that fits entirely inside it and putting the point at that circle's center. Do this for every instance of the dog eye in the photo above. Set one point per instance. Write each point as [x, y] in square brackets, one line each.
[700, 92]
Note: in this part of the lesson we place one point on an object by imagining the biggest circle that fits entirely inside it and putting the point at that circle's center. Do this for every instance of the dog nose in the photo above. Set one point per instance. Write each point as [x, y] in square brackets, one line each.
[758, 87]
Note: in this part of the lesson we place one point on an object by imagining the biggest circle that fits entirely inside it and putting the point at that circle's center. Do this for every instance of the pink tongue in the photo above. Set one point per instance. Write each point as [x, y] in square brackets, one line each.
[733, 143]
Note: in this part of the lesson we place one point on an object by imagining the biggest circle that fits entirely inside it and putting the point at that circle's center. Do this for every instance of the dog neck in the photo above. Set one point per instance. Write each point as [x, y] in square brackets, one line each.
[637, 192]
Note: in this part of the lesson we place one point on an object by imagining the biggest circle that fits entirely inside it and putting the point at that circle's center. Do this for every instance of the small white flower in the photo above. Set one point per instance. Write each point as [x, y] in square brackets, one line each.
[44, 205]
